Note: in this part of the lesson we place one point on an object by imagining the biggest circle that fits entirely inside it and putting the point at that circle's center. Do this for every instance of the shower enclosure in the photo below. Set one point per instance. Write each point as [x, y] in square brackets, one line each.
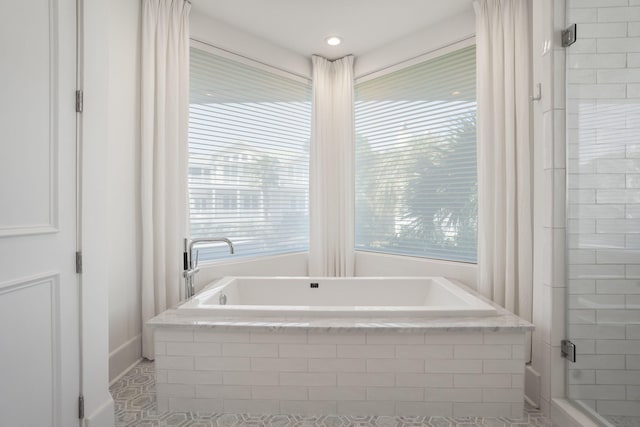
[603, 209]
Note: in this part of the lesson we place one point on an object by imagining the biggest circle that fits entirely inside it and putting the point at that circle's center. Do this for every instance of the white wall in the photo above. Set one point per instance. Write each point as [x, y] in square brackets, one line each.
[123, 194]
[446, 32]
[95, 127]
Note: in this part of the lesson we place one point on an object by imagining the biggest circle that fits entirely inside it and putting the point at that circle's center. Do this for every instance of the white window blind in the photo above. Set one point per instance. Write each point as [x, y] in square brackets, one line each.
[416, 178]
[249, 132]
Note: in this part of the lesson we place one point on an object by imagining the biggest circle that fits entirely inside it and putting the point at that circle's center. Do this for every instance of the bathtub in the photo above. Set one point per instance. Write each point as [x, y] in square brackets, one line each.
[356, 346]
[336, 297]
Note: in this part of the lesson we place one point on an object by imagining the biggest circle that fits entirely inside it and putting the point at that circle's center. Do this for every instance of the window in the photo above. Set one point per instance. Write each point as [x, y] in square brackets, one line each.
[249, 132]
[416, 178]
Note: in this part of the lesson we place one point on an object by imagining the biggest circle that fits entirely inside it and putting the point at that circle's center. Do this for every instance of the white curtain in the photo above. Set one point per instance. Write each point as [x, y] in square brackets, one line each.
[504, 154]
[164, 121]
[331, 170]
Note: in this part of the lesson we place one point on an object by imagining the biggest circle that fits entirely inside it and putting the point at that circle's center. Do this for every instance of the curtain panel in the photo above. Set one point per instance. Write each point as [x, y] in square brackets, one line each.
[505, 242]
[163, 174]
[331, 177]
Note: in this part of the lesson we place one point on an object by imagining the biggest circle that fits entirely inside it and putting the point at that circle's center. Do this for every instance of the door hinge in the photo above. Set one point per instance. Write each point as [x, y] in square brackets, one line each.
[81, 407]
[78, 262]
[568, 350]
[569, 35]
[79, 101]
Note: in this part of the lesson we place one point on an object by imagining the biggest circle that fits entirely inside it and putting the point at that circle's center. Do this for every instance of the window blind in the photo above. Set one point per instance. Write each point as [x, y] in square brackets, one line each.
[249, 133]
[416, 178]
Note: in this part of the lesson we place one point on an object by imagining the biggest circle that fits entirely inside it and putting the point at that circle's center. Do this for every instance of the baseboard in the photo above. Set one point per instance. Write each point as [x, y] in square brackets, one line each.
[564, 414]
[532, 386]
[104, 416]
[122, 358]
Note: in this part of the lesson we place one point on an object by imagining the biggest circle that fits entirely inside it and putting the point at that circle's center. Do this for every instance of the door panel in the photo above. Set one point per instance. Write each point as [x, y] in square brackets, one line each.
[39, 305]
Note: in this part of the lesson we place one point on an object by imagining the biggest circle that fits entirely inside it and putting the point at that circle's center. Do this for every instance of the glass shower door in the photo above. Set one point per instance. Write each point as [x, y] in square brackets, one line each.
[603, 209]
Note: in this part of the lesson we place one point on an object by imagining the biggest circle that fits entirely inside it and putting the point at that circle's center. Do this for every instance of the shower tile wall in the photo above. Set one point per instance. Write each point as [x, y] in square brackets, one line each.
[603, 212]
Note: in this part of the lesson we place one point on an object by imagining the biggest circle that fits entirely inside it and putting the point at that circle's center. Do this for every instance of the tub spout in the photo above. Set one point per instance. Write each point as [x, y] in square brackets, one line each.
[191, 261]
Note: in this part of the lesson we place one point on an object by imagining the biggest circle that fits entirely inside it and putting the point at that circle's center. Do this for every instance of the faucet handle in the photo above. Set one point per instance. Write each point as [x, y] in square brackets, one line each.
[197, 257]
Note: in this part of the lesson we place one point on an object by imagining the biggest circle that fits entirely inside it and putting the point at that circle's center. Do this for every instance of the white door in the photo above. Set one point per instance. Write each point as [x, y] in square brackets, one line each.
[39, 339]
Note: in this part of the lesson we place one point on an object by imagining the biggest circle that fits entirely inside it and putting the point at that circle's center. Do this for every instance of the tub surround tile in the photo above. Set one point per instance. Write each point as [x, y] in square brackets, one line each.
[443, 366]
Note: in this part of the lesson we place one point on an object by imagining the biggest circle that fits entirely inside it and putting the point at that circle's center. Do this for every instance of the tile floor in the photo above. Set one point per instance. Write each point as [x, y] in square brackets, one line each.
[135, 405]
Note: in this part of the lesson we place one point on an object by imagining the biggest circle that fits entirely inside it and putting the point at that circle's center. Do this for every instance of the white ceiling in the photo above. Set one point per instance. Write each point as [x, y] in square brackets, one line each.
[302, 25]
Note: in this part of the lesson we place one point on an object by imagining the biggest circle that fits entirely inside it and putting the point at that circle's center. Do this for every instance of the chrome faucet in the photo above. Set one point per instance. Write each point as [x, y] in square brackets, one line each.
[191, 263]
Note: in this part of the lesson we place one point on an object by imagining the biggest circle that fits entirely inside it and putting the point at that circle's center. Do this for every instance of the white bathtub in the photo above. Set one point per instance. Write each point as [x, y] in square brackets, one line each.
[336, 297]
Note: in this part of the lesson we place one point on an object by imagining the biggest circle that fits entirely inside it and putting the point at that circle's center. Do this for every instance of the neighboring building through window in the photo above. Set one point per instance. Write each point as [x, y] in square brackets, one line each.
[416, 175]
[249, 132]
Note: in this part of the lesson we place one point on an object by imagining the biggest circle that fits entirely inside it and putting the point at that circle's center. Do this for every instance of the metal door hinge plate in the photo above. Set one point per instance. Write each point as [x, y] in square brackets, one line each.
[78, 262]
[569, 35]
[81, 407]
[568, 350]
[79, 101]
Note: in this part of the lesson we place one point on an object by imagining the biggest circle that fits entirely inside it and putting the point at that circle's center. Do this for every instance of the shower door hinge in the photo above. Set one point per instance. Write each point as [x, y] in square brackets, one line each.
[81, 407]
[78, 262]
[569, 35]
[79, 101]
[568, 350]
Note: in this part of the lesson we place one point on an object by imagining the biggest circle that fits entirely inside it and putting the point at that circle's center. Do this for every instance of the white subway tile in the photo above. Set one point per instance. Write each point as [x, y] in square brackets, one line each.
[493, 351]
[596, 271]
[434, 351]
[452, 338]
[223, 363]
[194, 377]
[174, 362]
[223, 391]
[582, 376]
[618, 196]
[633, 362]
[605, 30]
[615, 377]
[502, 366]
[366, 408]
[581, 256]
[632, 302]
[596, 301]
[395, 365]
[597, 3]
[633, 330]
[278, 365]
[482, 380]
[162, 376]
[633, 392]
[324, 338]
[503, 338]
[365, 351]
[173, 334]
[582, 317]
[307, 350]
[595, 211]
[307, 407]
[582, 76]
[444, 409]
[279, 392]
[250, 350]
[159, 348]
[582, 15]
[337, 365]
[308, 379]
[193, 349]
[374, 338]
[597, 61]
[600, 392]
[600, 180]
[456, 366]
[250, 378]
[366, 379]
[598, 331]
[502, 395]
[582, 286]
[517, 381]
[251, 406]
[279, 337]
[633, 90]
[598, 91]
[625, 75]
[616, 45]
[212, 335]
[618, 286]
[620, 256]
[481, 409]
[582, 196]
[337, 393]
[424, 380]
[407, 394]
[600, 361]
[622, 346]
[623, 408]
[619, 14]
[633, 60]
[453, 394]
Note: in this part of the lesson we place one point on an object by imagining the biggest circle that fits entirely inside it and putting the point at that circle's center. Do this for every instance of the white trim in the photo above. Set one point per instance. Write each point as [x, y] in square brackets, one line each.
[201, 45]
[564, 413]
[451, 47]
[104, 416]
[128, 354]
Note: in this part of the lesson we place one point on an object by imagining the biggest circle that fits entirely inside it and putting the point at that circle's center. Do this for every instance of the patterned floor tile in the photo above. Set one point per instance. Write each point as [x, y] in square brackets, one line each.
[135, 406]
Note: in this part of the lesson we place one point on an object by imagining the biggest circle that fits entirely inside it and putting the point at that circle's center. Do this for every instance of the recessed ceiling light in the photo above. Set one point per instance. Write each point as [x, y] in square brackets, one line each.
[333, 40]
